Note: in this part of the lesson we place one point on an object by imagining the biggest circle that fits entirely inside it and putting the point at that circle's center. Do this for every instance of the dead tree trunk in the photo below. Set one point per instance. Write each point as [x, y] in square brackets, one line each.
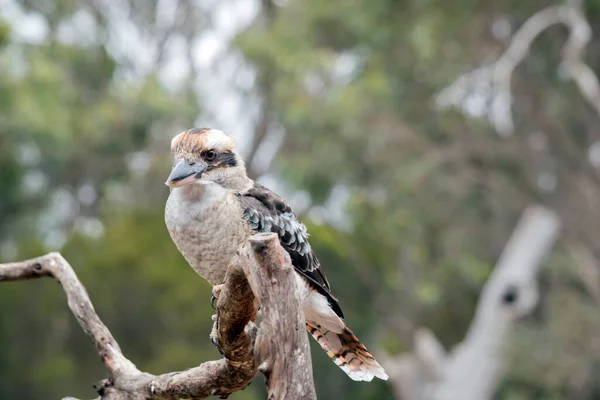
[261, 274]
[472, 370]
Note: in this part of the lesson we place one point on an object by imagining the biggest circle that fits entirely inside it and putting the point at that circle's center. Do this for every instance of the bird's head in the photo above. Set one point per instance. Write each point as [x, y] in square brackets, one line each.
[205, 156]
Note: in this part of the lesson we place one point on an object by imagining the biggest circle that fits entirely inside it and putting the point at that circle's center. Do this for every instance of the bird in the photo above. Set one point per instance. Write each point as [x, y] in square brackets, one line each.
[213, 207]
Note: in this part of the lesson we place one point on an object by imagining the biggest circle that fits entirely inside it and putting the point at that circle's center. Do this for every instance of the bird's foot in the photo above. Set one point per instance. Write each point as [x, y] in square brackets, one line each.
[216, 291]
[214, 337]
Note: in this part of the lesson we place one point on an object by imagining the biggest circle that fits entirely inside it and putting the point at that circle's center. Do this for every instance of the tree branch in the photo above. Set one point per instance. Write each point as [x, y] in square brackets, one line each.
[261, 267]
[499, 74]
[280, 363]
[54, 265]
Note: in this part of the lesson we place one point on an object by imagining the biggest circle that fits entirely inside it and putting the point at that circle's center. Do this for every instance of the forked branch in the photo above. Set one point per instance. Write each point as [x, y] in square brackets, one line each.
[262, 271]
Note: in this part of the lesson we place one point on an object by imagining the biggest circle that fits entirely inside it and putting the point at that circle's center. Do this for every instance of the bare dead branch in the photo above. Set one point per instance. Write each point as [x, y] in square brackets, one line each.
[288, 369]
[282, 351]
[54, 265]
[499, 74]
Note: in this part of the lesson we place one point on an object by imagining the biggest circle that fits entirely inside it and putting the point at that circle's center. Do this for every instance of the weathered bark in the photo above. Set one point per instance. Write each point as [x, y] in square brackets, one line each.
[282, 348]
[262, 270]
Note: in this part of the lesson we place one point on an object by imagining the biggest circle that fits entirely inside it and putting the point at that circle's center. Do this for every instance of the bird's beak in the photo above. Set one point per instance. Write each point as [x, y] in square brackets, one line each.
[183, 174]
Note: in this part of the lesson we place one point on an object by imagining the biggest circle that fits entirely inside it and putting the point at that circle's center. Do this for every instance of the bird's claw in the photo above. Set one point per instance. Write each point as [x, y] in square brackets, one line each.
[216, 291]
[214, 335]
[215, 341]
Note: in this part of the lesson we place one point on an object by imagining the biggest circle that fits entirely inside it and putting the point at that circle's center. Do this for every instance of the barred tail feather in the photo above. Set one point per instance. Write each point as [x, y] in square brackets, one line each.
[348, 353]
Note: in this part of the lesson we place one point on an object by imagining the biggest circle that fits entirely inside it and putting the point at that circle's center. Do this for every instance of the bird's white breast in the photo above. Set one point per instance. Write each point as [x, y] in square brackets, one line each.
[206, 224]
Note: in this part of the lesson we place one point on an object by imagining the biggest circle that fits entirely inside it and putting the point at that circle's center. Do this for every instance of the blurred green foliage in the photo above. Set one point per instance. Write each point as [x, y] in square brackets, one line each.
[431, 196]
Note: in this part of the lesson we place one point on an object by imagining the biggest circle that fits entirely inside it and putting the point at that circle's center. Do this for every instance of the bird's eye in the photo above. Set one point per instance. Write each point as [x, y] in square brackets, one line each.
[210, 155]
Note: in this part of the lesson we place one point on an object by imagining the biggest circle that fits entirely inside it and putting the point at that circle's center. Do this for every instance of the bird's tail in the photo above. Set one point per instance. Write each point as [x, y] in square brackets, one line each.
[348, 353]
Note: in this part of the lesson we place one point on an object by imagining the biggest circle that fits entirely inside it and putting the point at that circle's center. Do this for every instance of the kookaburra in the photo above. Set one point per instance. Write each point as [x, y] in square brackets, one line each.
[214, 207]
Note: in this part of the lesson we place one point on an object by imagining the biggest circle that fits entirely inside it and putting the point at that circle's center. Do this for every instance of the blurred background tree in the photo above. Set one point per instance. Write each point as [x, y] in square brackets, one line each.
[409, 203]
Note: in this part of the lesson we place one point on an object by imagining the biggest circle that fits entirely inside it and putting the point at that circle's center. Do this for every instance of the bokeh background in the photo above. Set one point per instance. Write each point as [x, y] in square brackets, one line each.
[356, 112]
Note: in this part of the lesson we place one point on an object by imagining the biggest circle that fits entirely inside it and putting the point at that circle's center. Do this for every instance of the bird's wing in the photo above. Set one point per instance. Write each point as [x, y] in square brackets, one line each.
[265, 211]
